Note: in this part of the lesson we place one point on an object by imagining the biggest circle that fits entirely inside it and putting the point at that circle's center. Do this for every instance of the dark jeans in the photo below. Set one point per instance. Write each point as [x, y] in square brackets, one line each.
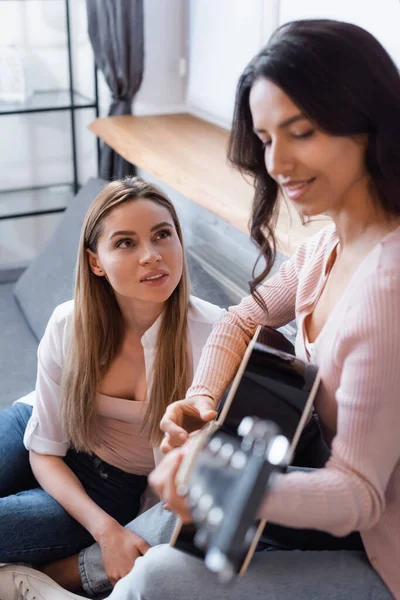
[34, 527]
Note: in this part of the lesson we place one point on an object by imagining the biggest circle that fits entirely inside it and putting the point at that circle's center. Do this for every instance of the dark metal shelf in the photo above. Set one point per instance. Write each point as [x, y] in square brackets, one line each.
[49, 101]
[46, 101]
[47, 200]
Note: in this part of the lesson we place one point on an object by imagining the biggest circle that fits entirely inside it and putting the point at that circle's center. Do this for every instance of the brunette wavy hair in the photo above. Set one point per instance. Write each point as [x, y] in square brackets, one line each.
[344, 81]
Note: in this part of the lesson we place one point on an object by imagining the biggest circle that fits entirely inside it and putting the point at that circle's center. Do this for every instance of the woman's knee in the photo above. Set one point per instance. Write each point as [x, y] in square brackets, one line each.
[156, 571]
[15, 471]
[157, 566]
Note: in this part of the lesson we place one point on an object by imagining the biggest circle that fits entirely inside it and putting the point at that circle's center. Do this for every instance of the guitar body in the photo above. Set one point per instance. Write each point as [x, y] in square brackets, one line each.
[273, 386]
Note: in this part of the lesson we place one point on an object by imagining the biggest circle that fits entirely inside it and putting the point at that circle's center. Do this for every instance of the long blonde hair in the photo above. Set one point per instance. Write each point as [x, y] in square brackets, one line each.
[98, 328]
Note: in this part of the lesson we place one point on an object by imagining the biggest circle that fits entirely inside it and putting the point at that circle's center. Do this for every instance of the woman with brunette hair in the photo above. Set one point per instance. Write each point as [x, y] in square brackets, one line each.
[317, 119]
[109, 363]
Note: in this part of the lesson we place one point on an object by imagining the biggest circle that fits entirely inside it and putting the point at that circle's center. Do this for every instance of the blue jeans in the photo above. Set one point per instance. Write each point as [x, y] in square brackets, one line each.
[34, 527]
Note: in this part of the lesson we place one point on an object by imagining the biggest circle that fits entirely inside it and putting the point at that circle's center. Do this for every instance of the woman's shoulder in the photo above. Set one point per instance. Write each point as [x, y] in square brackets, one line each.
[201, 317]
[372, 307]
[379, 273]
[389, 252]
[313, 251]
[322, 240]
[61, 320]
[202, 311]
[57, 337]
[63, 313]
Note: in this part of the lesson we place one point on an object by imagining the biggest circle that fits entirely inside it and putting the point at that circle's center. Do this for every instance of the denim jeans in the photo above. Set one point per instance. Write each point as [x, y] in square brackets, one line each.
[155, 526]
[34, 527]
[15, 471]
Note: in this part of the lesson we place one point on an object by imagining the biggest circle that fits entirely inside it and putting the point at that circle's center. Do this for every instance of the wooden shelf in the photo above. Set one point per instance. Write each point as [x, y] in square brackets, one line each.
[189, 155]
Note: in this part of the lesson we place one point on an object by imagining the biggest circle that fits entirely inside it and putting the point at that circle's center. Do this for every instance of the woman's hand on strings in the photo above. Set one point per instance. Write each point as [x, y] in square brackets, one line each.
[183, 417]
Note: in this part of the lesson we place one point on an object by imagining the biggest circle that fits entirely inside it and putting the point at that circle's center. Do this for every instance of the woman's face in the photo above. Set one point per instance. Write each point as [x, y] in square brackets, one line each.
[318, 172]
[139, 252]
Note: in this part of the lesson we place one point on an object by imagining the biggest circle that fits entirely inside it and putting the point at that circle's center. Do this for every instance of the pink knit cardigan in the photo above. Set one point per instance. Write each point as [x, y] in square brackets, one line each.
[358, 353]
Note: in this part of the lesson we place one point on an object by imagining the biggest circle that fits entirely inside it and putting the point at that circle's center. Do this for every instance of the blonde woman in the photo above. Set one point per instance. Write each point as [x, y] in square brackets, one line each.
[109, 363]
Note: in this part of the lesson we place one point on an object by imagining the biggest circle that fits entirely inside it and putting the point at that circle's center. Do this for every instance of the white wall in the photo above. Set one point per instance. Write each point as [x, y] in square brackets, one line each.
[224, 35]
[163, 88]
[379, 17]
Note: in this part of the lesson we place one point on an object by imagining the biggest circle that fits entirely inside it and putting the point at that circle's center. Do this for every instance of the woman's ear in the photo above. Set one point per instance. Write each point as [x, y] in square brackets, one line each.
[94, 264]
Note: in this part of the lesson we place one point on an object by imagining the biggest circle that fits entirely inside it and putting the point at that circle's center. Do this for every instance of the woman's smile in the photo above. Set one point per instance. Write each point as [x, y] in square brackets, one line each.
[296, 190]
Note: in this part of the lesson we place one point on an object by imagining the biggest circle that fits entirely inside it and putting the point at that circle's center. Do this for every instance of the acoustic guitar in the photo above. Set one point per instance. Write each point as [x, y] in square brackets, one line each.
[233, 459]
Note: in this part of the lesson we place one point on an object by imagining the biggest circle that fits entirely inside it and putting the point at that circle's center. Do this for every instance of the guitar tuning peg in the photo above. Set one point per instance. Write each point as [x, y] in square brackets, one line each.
[226, 452]
[195, 492]
[261, 429]
[201, 508]
[205, 503]
[245, 427]
[215, 516]
[215, 445]
[219, 563]
[198, 515]
[238, 460]
[277, 450]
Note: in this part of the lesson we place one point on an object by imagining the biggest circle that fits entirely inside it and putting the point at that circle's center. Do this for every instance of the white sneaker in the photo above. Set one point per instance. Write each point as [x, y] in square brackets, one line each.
[23, 583]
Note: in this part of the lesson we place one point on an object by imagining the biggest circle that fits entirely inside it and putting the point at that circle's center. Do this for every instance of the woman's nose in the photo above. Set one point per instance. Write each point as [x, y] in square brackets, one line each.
[150, 254]
[278, 160]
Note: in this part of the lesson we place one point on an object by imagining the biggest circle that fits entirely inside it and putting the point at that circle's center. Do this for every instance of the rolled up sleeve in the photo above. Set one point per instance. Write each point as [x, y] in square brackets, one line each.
[44, 432]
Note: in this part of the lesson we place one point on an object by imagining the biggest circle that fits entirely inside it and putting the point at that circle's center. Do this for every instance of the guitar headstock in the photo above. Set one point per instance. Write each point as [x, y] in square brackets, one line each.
[226, 487]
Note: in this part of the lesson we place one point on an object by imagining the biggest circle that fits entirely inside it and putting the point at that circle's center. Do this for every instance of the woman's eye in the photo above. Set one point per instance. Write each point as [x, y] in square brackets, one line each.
[163, 233]
[126, 243]
[265, 144]
[305, 135]
[298, 136]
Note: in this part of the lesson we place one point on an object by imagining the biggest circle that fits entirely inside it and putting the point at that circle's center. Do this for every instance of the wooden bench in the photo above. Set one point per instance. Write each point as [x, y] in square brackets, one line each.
[189, 155]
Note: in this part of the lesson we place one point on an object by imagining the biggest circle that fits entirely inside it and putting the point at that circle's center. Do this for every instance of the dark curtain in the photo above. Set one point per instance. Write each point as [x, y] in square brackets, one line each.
[117, 38]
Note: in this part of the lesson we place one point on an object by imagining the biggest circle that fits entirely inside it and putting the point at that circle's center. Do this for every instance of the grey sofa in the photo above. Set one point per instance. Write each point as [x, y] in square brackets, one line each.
[28, 299]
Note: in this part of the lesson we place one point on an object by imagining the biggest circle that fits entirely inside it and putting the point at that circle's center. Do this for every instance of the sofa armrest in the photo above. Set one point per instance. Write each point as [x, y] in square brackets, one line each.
[10, 274]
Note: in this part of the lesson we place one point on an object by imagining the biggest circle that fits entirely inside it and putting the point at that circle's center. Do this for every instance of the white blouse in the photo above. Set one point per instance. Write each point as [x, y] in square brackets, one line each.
[117, 417]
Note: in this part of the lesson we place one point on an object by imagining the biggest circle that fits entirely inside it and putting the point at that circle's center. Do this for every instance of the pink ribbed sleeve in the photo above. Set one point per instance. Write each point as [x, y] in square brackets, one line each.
[349, 493]
[229, 338]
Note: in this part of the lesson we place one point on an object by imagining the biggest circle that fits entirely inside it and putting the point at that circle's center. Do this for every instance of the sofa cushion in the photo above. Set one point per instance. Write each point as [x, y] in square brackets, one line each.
[48, 280]
[17, 350]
